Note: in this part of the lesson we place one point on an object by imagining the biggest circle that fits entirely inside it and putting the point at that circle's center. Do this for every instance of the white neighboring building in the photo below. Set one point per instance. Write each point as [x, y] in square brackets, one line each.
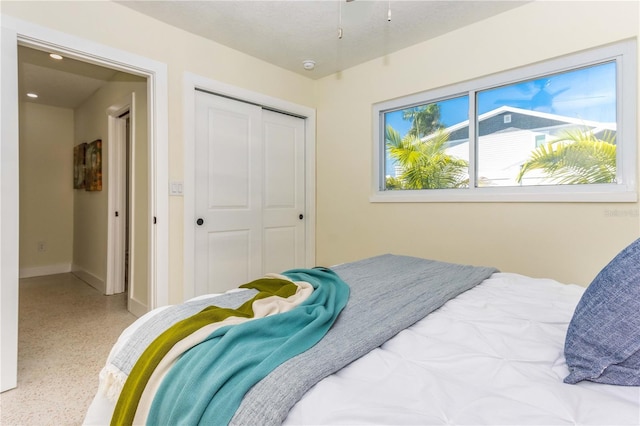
[508, 135]
[501, 155]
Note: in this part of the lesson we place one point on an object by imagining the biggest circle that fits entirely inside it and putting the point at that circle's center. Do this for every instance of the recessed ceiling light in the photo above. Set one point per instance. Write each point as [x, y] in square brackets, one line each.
[55, 56]
[308, 64]
[32, 95]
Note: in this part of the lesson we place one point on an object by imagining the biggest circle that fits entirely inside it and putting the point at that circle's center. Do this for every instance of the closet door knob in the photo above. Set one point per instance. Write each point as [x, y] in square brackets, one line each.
[200, 221]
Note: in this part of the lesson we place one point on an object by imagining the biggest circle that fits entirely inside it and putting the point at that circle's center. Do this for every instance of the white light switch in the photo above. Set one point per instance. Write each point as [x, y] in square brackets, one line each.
[176, 188]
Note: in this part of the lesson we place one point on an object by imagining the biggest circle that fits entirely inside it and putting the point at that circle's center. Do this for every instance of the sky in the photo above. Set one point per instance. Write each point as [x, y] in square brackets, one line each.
[588, 93]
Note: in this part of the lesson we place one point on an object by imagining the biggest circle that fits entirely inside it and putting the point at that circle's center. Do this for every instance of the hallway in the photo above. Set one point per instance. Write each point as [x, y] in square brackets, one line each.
[66, 329]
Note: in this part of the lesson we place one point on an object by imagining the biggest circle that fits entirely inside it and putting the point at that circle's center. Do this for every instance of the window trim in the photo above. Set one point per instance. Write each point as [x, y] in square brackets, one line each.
[625, 190]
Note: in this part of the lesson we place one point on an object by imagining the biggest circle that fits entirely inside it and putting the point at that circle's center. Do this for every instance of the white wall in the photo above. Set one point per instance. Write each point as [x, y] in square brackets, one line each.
[569, 242]
[46, 189]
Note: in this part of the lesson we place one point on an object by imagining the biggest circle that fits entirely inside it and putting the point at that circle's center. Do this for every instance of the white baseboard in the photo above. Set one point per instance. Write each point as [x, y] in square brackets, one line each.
[136, 308]
[90, 279]
[38, 271]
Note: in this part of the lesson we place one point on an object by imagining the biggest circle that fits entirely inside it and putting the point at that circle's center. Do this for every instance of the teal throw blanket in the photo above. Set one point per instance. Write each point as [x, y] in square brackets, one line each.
[208, 383]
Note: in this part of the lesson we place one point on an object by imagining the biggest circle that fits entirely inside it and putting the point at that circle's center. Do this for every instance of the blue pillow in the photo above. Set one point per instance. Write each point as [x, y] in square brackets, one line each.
[603, 339]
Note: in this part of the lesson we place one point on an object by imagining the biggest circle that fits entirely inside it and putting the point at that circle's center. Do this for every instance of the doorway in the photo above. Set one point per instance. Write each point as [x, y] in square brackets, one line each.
[15, 32]
[91, 221]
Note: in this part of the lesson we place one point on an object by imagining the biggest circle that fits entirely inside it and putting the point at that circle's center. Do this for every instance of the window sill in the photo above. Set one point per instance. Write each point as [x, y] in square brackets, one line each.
[508, 195]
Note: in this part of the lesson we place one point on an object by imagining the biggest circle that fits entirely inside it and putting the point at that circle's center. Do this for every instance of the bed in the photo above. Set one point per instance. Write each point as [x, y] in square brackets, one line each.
[390, 340]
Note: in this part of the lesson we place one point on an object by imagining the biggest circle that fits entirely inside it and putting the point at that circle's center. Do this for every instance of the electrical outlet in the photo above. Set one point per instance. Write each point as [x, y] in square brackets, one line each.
[42, 246]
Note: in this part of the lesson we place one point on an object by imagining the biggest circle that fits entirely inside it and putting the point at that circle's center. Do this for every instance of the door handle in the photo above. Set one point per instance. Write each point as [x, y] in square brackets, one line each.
[200, 221]
[301, 216]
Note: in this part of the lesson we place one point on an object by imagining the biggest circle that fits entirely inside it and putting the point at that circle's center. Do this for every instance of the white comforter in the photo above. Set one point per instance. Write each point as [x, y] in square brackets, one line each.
[491, 356]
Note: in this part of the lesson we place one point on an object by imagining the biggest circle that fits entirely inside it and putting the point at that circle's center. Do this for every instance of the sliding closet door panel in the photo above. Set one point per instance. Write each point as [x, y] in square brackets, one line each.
[228, 204]
[229, 259]
[283, 208]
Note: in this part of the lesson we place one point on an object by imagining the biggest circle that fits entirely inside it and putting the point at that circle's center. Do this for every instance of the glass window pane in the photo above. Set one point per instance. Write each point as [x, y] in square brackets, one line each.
[558, 129]
[422, 146]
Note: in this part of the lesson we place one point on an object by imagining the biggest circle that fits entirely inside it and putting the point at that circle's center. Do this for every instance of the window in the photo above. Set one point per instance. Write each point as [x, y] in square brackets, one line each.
[563, 130]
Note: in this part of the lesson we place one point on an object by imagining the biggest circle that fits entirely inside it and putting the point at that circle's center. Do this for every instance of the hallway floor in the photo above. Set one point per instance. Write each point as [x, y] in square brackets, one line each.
[66, 329]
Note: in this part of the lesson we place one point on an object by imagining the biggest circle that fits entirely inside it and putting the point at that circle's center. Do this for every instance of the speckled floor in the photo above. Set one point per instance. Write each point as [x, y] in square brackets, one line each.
[66, 329]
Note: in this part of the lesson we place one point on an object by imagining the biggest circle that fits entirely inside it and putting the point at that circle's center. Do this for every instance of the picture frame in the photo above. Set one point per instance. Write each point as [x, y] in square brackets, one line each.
[93, 166]
[79, 166]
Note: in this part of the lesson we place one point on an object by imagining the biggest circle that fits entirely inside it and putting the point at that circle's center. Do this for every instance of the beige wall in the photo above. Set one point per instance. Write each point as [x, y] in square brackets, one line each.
[46, 188]
[91, 207]
[569, 242]
[117, 26]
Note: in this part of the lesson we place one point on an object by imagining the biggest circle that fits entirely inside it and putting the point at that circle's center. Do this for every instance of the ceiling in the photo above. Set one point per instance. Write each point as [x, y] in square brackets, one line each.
[65, 83]
[286, 33]
[283, 33]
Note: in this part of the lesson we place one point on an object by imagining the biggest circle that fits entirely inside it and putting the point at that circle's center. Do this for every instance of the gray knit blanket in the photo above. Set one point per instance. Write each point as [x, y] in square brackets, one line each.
[388, 294]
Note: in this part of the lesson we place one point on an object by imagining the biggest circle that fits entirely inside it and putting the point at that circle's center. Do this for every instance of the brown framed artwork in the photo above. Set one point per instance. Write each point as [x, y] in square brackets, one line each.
[93, 166]
[78, 166]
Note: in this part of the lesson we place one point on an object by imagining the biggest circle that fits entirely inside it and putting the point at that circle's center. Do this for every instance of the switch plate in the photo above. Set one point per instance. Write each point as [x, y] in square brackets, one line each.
[176, 188]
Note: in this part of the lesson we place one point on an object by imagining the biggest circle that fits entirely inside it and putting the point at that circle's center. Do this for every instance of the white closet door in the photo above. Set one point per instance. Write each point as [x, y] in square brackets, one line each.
[283, 192]
[249, 193]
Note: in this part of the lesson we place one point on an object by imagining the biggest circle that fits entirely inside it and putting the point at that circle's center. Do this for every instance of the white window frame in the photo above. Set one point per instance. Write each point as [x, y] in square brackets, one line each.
[624, 190]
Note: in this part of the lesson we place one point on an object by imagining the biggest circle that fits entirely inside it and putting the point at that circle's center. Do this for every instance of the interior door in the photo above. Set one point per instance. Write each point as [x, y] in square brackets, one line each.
[249, 193]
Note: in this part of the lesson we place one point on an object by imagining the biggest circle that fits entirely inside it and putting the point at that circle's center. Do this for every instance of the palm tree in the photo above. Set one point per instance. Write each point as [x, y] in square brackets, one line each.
[392, 182]
[425, 164]
[425, 119]
[577, 157]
